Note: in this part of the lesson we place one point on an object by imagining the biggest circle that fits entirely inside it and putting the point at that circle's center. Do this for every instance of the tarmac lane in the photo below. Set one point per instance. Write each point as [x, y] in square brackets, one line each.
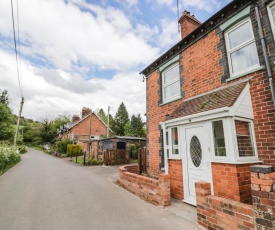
[43, 192]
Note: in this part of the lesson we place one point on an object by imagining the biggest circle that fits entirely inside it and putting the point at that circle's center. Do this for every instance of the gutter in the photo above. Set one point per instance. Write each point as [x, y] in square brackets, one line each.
[269, 74]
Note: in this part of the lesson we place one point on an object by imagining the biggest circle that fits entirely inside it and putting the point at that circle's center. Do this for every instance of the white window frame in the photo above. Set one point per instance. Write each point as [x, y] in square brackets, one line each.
[177, 96]
[166, 145]
[227, 135]
[171, 155]
[272, 23]
[230, 51]
[253, 140]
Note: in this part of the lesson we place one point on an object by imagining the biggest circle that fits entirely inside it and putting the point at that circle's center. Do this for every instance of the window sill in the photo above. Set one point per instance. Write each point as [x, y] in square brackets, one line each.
[245, 73]
[174, 158]
[237, 162]
[172, 100]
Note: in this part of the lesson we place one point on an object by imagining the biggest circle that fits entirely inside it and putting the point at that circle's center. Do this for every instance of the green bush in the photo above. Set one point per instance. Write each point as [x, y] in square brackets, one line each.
[61, 145]
[74, 150]
[22, 149]
[134, 151]
[92, 161]
[100, 162]
[9, 156]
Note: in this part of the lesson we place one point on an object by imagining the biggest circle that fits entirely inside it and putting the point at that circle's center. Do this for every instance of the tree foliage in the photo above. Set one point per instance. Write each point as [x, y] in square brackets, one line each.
[135, 127]
[49, 128]
[121, 119]
[62, 145]
[103, 116]
[6, 117]
[74, 150]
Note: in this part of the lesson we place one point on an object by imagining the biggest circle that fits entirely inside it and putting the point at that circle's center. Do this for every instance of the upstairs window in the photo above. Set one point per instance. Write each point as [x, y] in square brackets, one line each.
[271, 14]
[171, 83]
[241, 48]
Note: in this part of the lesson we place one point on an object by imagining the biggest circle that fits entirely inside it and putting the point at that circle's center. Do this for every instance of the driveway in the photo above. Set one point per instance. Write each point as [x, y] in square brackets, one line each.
[44, 192]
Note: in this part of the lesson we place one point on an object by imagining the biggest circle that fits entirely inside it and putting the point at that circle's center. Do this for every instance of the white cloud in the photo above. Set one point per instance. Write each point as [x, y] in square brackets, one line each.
[169, 35]
[50, 93]
[64, 35]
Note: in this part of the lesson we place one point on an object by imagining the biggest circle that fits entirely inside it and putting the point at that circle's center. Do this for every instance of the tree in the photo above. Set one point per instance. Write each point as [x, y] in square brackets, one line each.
[138, 126]
[46, 131]
[61, 145]
[129, 131]
[4, 97]
[59, 121]
[49, 128]
[121, 118]
[6, 117]
[102, 116]
[135, 128]
[6, 129]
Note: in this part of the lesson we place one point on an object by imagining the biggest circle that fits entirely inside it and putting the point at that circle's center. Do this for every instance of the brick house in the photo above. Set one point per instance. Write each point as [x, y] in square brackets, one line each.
[80, 129]
[210, 102]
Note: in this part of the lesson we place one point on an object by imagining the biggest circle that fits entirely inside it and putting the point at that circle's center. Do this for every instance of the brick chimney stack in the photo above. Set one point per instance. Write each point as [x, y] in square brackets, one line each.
[85, 111]
[188, 23]
[75, 118]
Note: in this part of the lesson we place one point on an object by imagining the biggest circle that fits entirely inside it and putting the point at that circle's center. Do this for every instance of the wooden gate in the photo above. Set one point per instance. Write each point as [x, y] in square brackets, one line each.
[142, 161]
[116, 157]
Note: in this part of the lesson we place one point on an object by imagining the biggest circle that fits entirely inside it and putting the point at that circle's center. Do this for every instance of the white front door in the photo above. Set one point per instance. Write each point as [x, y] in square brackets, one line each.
[196, 161]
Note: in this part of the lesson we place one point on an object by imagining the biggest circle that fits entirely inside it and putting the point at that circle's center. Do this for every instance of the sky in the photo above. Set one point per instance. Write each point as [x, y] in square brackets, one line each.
[77, 53]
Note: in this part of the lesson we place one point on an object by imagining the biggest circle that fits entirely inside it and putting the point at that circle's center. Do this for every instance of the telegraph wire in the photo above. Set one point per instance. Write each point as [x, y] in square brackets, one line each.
[20, 87]
[15, 48]
[19, 51]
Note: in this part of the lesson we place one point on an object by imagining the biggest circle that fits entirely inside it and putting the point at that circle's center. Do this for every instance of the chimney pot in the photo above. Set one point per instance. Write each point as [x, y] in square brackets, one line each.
[188, 23]
[75, 118]
[85, 111]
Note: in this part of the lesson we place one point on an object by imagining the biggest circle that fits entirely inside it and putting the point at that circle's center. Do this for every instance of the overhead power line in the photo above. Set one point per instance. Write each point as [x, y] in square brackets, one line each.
[19, 51]
[15, 49]
[17, 65]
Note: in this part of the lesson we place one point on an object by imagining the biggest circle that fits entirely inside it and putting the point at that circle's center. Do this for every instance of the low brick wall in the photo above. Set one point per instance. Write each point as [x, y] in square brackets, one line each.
[221, 213]
[232, 181]
[156, 191]
[263, 196]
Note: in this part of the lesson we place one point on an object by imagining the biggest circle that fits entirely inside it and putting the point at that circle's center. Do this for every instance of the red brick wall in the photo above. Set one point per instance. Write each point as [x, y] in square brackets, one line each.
[196, 81]
[263, 197]
[149, 189]
[232, 181]
[201, 70]
[220, 213]
[175, 171]
[98, 128]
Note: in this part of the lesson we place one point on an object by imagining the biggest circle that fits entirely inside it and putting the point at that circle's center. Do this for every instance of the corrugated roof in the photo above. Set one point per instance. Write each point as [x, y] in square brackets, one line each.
[222, 97]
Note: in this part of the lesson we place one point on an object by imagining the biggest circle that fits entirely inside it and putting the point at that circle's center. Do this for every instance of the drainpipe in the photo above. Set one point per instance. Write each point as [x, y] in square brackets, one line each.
[269, 74]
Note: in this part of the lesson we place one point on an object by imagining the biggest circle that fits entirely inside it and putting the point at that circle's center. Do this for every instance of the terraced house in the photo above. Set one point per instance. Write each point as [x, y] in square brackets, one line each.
[210, 102]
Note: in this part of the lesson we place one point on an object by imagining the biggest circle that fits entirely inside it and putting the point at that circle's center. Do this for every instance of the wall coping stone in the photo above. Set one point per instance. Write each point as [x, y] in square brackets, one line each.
[262, 169]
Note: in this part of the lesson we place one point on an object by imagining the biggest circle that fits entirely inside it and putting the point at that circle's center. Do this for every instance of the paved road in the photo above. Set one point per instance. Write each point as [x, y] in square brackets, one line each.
[44, 192]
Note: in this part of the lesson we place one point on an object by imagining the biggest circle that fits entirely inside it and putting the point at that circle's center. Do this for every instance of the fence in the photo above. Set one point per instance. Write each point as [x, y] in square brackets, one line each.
[142, 161]
[116, 157]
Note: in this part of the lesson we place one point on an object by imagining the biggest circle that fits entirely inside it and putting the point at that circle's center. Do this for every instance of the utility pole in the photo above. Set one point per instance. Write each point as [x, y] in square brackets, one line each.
[89, 143]
[108, 122]
[17, 126]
